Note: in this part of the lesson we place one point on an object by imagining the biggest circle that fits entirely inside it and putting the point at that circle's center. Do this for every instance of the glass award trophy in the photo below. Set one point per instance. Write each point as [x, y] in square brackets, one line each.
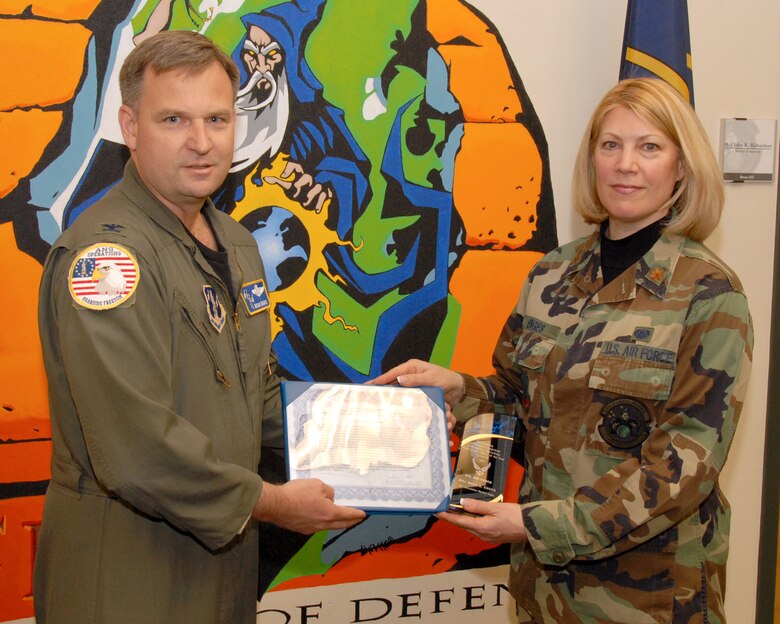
[483, 459]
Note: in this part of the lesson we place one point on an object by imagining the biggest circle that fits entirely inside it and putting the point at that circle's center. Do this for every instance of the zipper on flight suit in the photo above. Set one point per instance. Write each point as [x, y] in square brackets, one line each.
[236, 321]
[213, 356]
[222, 378]
[237, 326]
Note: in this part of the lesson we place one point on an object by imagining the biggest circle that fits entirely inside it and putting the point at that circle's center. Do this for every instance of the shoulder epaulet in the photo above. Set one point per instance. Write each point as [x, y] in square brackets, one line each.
[700, 251]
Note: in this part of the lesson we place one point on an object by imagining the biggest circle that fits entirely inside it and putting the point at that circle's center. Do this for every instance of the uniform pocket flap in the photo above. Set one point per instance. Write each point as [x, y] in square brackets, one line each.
[532, 350]
[632, 369]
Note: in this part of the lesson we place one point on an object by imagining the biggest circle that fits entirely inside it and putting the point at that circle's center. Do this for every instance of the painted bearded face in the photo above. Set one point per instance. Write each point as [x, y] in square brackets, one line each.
[262, 102]
[264, 61]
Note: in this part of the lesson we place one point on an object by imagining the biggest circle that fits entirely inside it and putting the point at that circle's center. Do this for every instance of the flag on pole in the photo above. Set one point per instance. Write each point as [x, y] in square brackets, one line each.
[657, 43]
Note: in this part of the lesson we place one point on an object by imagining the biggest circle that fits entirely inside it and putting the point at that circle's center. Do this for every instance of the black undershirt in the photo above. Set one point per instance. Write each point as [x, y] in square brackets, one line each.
[218, 260]
[618, 255]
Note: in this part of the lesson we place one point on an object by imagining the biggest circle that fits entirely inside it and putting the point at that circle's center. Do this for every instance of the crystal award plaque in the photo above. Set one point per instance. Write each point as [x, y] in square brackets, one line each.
[483, 459]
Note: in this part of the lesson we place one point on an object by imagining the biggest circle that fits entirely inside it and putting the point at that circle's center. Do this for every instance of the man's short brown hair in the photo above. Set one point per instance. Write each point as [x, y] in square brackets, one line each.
[167, 51]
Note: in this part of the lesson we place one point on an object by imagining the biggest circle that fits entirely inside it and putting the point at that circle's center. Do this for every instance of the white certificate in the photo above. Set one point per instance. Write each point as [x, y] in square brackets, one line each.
[382, 448]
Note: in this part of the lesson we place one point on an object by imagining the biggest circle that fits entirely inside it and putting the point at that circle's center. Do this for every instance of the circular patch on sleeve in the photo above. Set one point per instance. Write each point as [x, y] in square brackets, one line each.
[103, 276]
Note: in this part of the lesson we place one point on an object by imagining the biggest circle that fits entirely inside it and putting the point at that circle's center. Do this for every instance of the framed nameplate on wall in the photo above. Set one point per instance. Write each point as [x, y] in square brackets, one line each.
[748, 149]
[382, 448]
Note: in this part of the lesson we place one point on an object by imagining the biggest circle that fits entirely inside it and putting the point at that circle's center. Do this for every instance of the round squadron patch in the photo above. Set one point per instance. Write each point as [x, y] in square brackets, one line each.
[625, 423]
[103, 276]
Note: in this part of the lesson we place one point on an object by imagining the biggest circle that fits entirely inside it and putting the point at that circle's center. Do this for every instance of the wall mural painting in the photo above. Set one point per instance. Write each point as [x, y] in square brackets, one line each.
[390, 166]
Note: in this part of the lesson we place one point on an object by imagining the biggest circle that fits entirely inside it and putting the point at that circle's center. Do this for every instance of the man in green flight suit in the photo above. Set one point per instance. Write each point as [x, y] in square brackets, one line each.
[154, 321]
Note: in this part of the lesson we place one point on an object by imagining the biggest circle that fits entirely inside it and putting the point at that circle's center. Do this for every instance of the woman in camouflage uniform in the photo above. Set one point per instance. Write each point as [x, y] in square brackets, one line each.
[626, 359]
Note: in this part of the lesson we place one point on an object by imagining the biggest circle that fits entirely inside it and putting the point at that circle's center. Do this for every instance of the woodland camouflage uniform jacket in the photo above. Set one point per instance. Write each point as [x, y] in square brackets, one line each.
[630, 395]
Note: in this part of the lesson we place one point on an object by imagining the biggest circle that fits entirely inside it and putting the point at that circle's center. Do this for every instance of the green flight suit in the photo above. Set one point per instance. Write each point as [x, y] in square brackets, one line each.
[156, 423]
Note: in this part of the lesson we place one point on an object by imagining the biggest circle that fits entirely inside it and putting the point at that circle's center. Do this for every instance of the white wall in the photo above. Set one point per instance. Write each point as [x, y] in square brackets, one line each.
[568, 54]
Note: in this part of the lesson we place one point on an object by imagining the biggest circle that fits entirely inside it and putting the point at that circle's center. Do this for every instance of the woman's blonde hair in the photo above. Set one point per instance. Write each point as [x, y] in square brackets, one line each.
[697, 201]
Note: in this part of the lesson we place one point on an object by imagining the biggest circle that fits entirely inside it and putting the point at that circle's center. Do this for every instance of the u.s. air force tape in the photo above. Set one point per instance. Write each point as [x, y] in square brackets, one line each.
[103, 276]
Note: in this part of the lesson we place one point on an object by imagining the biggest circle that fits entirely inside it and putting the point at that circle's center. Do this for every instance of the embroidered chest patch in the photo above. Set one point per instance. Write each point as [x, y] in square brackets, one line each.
[626, 423]
[255, 297]
[214, 308]
[103, 276]
[642, 334]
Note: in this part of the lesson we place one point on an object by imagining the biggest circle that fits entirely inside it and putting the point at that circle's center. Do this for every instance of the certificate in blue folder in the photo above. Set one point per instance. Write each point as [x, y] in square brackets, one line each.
[382, 448]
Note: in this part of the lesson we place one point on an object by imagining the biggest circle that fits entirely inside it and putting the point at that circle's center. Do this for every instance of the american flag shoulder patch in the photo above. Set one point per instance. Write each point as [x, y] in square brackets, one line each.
[103, 276]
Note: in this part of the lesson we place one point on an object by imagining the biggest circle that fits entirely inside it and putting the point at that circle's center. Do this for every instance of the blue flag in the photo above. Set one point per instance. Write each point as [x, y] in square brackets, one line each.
[656, 43]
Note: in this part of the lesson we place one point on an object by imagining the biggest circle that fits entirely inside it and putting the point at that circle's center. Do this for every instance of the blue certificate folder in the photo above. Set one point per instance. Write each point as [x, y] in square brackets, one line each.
[384, 449]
